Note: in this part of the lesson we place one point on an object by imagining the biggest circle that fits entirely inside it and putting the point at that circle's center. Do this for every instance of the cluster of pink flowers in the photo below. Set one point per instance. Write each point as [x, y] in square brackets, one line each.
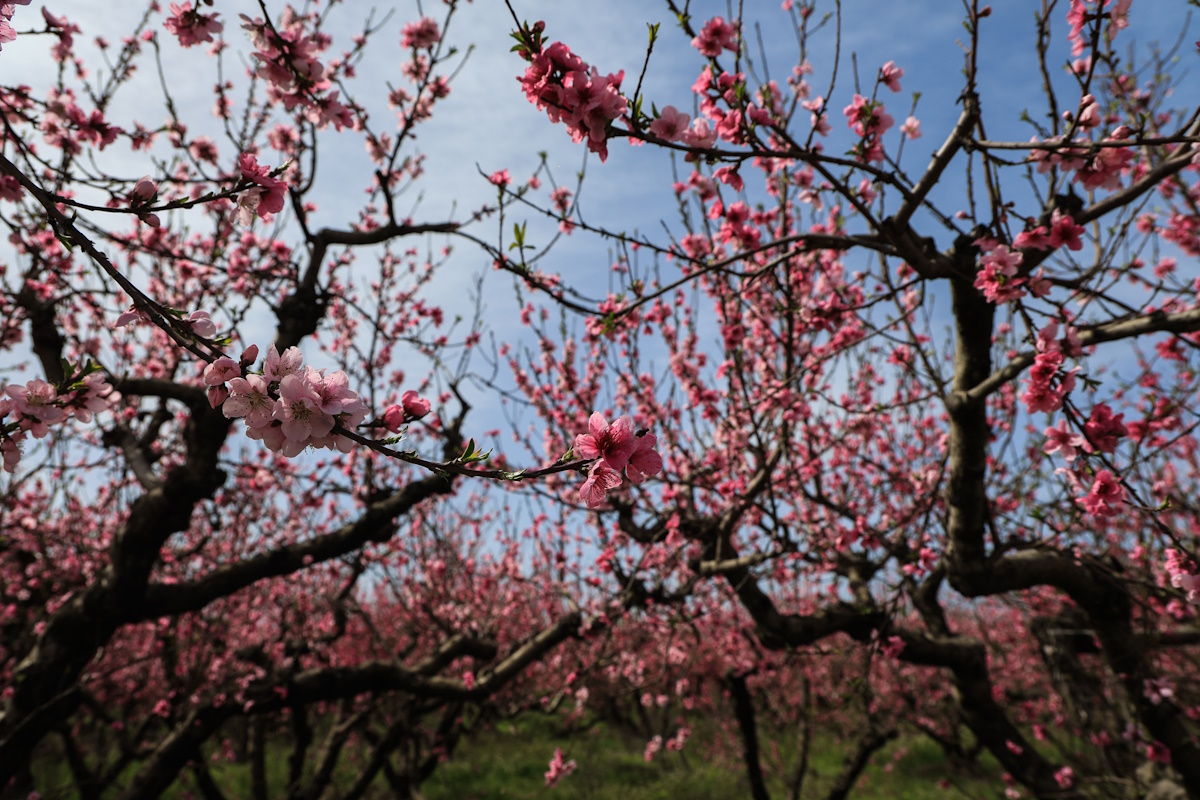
[421, 35]
[1106, 492]
[615, 447]
[559, 768]
[34, 407]
[1047, 388]
[715, 36]
[287, 60]
[575, 94]
[265, 199]
[290, 407]
[869, 120]
[997, 275]
[190, 25]
[1183, 575]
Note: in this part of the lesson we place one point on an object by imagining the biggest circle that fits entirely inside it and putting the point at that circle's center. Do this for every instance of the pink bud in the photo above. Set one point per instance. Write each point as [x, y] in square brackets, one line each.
[217, 395]
[393, 418]
[414, 407]
[249, 355]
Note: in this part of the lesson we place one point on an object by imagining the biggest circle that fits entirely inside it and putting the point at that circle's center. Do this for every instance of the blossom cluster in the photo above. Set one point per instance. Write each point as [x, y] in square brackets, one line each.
[559, 768]
[615, 447]
[290, 407]
[1183, 575]
[190, 25]
[287, 61]
[571, 92]
[32, 408]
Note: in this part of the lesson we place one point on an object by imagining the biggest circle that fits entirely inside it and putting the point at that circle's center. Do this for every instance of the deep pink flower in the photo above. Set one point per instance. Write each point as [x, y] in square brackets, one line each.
[1103, 429]
[191, 26]
[1106, 492]
[414, 406]
[614, 443]
[645, 460]
[1061, 439]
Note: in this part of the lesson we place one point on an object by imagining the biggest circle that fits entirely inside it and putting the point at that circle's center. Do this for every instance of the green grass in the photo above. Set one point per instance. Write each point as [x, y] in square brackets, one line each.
[508, 763]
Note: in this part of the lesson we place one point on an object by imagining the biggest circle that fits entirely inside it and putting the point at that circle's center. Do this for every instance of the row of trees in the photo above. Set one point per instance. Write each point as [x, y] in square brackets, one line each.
[912, 439]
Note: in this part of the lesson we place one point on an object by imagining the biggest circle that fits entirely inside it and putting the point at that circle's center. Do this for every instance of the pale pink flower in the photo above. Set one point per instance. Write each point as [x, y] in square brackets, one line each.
[601, 478]
[299, 410]
[201, 324]
[1061, 439]
[191, 26]
[279, 366]
[890, 75]
[36, 400]
[222, 370]
[911, 128]
[95, 395]
[248, 397]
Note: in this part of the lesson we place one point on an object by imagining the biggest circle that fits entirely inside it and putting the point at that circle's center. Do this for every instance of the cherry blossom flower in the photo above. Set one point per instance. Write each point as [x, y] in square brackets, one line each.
[249, 398]
[911, 128]
[1061, 439]
[614, 443]
[1105, 493]
[201, 324]
[715, 36]
[645, 460]
[277, 366]
[601, 478]
[190, 25]
[1102, 430]
[421, 35]
[299, 410]
[559, 769]
[890, 75]
[670, 125]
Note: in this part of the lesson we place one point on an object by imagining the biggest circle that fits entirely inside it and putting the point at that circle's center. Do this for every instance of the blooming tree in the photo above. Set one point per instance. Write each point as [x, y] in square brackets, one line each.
[843, 467]
[244, 493]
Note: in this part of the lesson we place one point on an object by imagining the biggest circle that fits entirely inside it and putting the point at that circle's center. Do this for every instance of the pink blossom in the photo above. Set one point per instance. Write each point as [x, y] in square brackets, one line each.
[501, 178]
[601, 478]
[716, 35]
[37, 401]
[421, 35]
[414, 406]
[222, 370]
[699, 135]
[614, 443]
[890, 75]
[143, 191]
[559, 769]
[249, 398]
[1105, 493]
[645, 460]
[911, 128]
[1060, 439]
[1102, 430]
[670, 125]
[277, 366]
[270, 196]
[299, 410]
[190, 25]
[201, 324]
[1064, 230]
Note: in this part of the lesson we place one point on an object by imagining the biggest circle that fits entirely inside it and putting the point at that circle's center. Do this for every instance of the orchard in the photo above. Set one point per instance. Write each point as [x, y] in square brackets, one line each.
[325, 447]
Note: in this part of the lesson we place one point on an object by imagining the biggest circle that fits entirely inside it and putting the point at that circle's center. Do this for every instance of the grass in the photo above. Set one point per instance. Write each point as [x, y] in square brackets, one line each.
[508, 763]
